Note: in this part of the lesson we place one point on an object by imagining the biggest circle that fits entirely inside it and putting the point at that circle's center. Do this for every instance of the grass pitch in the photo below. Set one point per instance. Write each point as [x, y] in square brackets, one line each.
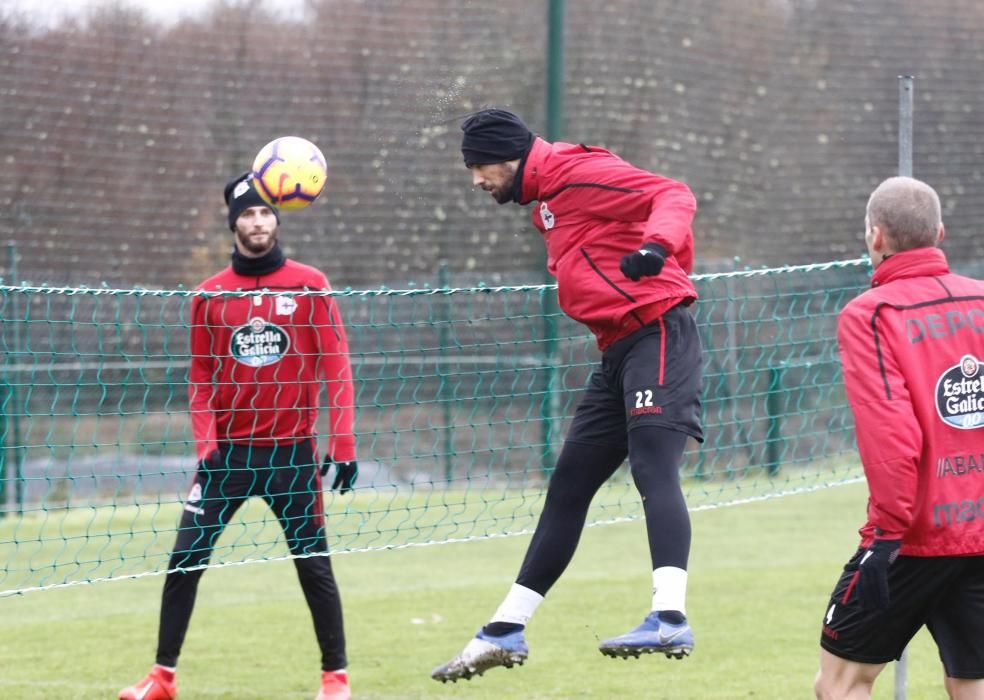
[760, 575]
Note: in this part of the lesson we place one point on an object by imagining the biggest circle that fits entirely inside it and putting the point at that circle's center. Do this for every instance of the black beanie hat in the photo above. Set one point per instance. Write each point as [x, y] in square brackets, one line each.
[241, 194]
[494, 136]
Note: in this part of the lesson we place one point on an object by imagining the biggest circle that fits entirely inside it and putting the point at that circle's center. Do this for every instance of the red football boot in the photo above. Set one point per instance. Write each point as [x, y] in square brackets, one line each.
[158, 685]
[334, 686]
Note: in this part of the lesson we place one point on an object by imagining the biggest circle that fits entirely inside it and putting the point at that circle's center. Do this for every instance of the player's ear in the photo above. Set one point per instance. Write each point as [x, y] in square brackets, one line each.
[877, 239]
[940, 235]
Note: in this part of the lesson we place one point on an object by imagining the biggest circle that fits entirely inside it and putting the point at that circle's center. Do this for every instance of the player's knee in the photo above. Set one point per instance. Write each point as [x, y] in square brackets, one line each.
[817, 688]
[963, 689]
[821, 690]
[565, 499]
[841, 687]
[190, 556]
[656, 453]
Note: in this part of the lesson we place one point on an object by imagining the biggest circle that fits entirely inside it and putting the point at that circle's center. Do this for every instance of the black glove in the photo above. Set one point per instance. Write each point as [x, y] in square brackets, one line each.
[872, 581]
[345, 474]
[645, 262]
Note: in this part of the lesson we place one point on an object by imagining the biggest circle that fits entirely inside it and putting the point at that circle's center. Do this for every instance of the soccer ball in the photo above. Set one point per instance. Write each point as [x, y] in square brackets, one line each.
[289, 172]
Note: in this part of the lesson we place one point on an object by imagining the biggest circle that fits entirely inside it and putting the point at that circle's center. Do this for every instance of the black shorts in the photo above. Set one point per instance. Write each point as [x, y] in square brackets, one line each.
[652, 377]
[286, 476]
[944, 593]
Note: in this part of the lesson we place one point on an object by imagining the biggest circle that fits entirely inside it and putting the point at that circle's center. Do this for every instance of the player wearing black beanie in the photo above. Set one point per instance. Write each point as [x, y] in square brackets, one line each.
[619, 242]
[259, 360]
[240, 194]
[494, 136]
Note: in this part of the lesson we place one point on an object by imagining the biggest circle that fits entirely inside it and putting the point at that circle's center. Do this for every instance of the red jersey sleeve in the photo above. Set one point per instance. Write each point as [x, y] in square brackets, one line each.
[336, 371]
[200, 386]
[888, 433]
[630, 194]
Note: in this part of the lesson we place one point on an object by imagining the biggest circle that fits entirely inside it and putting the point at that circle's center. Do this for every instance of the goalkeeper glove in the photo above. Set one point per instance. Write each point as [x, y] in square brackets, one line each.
[345, 474]
[645, 262]
[872, 580]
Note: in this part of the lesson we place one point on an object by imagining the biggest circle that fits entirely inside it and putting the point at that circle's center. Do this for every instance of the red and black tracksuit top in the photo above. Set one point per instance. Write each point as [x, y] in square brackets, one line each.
[912, 349]
[594, 209]
[258, 362]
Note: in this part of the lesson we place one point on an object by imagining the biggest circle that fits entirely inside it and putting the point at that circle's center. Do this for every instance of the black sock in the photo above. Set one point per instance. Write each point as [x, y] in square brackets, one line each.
[674, 617]
[499, 629]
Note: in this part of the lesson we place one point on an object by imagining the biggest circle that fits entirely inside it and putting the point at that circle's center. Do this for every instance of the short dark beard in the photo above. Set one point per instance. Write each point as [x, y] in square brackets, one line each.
[505, 195]
[255, 249]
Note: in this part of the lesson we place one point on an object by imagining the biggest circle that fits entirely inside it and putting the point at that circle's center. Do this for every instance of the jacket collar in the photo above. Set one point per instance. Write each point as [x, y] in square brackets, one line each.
[918, 262]
[529, 172]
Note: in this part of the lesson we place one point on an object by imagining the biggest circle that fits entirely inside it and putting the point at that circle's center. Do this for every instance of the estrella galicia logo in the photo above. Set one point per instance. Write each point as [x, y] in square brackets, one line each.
[259, 343]
[960, 394]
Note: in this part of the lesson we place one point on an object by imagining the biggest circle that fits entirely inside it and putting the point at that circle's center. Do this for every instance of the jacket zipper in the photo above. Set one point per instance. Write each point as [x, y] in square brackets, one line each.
[611, 284]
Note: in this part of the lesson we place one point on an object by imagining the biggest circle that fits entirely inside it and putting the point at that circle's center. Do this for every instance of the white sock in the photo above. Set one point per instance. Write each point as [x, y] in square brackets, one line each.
[670, 589]
[519, 605]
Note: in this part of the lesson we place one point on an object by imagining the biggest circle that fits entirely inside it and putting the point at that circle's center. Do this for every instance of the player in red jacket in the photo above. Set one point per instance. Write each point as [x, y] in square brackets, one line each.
[619, 242]
[257, 368]
[912, 350]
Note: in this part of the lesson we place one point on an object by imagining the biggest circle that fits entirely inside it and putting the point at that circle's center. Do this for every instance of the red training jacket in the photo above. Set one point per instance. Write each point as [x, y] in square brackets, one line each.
[257, 362]
[912, 348]
[596, 208]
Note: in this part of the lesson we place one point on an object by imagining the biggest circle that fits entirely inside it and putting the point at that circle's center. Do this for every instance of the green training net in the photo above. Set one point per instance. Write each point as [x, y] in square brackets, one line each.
[463, 397]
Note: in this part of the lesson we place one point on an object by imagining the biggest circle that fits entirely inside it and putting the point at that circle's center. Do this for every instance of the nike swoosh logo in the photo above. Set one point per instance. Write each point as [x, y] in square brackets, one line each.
[667, 638]
[142, 692]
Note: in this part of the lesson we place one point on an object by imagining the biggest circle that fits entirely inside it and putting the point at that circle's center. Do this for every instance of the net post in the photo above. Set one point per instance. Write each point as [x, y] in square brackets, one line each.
[548, 407]
[4, 462]
[444, 336]
[773, 409]
[905, 169]
[905, 125]
[11, 407]
[548, 297]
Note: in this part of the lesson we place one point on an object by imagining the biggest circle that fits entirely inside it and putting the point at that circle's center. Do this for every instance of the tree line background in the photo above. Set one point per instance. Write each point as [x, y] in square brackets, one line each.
[117, 133]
